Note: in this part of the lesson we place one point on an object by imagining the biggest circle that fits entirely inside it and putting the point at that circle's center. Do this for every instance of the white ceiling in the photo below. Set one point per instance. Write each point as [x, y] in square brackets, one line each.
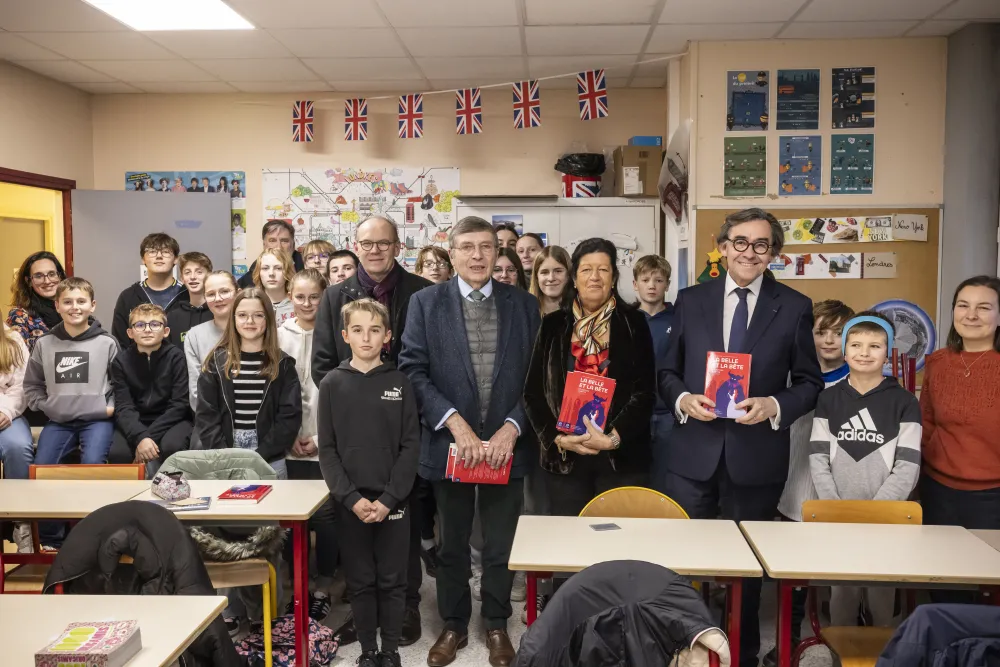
[389, 45]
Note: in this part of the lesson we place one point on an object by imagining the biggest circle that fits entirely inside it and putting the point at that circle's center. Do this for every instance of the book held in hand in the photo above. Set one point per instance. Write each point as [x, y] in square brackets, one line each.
[727, 382]
[96, 644]
[585, 395]
[456, 471]
[187, 505]
[249, 494]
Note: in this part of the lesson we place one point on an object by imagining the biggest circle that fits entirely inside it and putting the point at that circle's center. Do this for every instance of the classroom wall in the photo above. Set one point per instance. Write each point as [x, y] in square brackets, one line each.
[45, 126]
[250, 132]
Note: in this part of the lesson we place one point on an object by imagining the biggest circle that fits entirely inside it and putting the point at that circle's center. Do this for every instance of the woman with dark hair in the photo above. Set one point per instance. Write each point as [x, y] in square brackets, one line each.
[223, 184]
[508, 269]
[960, 405]
[32, 295]
[597, 333]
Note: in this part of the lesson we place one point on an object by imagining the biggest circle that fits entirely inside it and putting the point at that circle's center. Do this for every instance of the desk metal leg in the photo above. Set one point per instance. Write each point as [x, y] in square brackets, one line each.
[734, 605]
[300, 590]
[531, 581]
[785, 622]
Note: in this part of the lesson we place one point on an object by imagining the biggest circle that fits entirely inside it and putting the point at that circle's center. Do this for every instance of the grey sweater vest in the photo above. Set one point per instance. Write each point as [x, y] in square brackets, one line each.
[481, 332]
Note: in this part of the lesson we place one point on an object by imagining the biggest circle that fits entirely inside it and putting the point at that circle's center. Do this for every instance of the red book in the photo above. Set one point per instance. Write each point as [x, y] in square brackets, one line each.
[456, 471]
[251, 494]
[585, 395]
[727, 382]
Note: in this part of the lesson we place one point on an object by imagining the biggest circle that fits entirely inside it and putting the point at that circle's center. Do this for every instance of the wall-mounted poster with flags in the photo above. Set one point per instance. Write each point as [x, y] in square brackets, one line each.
[592, 91]
[468, 111]
[411, 116]
[302, 121]
[527, 105]
[356, 120]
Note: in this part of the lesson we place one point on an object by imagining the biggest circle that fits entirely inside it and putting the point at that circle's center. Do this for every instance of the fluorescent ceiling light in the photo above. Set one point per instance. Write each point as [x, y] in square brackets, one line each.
[173, 14]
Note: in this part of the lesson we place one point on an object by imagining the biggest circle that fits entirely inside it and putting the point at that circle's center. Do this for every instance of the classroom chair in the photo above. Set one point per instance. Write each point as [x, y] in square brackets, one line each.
[854, 646]
[251, 572]
[633, 502]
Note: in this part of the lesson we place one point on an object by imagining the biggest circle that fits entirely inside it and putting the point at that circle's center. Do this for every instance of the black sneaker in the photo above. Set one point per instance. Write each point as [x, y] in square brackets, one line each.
[347, 632]
[429, 556]
[319, 606]
[411, 627]
[233, 626]
[369, 659]
[389, 659]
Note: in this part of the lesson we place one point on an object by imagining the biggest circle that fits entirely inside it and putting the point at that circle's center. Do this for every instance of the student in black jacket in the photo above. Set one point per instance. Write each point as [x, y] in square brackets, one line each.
[152, 417]
[276, 234]
[248, 393]
[159, 255]
[369, 442]
[194, 269]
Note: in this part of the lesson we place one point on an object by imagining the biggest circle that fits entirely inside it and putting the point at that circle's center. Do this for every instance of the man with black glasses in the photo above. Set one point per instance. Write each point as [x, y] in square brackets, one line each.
[736, 468]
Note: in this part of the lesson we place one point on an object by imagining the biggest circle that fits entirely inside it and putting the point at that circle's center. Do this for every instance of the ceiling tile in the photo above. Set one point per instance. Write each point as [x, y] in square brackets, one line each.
[340, 42]
[569, 83]
[441, 13]
[100, 45]
[13, 47]
[846, 30]
[710, 11]
[674, 38]
[456, 68]
[589, 12]
[553, 65]
[390, 86]
[54, 16]
[866, 10]
[471, 82]
[971, 10]
[282, 86]
[309, 13]
[936, 28]
[461, 41]
[574, 40]
[68, 71]
[359, 69]
[107, 88]
[180, 87]
[220, 43]
[648, 82]
[150, 70]
[257, 69]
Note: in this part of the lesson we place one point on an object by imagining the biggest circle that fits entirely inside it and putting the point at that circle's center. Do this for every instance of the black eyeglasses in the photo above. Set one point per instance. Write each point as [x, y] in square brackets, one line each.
[153, 326]
[759, 247]
[382, 245]
[51, 276]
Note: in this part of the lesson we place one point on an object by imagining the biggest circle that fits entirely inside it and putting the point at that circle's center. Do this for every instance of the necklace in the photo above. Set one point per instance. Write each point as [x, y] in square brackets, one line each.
[968, 367]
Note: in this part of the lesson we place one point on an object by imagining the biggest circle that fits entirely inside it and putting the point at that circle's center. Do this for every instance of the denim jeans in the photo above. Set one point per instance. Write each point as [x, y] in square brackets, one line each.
[16, 449]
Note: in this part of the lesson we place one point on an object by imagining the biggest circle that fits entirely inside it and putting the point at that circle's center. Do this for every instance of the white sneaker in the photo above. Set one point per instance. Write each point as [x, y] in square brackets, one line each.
[22, 538]
[519, 591]
[477, 583]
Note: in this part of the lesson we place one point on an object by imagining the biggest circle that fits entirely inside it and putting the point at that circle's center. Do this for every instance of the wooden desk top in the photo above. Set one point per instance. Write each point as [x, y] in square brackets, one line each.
[991, 537]
[289, 500]
[62, 499]
[872, 552]
[688, 547]
[168, 624]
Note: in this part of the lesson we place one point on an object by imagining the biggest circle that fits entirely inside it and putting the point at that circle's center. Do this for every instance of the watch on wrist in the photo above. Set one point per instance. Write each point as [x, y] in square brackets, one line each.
[616, 440]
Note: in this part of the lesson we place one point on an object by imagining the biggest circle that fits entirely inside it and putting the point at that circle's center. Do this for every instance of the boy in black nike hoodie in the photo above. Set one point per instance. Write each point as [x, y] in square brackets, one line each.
[865, 445]
[369, 443]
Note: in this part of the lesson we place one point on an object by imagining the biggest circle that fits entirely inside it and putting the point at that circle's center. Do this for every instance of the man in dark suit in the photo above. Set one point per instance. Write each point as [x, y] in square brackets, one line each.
[466, 350]
[739, 465]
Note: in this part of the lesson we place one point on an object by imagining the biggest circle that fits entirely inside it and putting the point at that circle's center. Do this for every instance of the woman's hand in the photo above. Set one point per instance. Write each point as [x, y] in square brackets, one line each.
[594, 441]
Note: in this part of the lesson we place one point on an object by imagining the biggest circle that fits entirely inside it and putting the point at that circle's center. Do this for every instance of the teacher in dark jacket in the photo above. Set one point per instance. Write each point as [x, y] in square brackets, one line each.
[596, 333]
[741, 462]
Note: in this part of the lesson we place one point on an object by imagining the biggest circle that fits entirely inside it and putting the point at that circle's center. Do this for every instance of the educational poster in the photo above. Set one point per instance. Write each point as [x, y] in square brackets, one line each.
[816, 265]
[799, 160]
[328, 203]
[230, 183]
[853, 97]
[747, 94]
[798, 99]
[745, 166]
[822, 230]
[852, 164]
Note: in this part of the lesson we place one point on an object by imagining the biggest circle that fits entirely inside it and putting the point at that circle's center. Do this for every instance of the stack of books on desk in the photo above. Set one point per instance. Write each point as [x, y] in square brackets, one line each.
[96, 644]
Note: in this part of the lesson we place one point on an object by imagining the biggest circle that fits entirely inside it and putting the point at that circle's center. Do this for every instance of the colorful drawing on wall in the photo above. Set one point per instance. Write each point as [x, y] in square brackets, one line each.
[799, 165]
[816, 266]
[915, 335]
[231, 183]
[745, 166]
[852, 164]
[329, 203]
[747, 94]
[798, 99]
[853, 97]
[713, 266]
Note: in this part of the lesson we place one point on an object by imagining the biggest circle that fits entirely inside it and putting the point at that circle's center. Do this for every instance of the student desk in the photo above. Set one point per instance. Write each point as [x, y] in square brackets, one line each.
[804, 553]
[991, 537]
[168, 624]
[710, 550]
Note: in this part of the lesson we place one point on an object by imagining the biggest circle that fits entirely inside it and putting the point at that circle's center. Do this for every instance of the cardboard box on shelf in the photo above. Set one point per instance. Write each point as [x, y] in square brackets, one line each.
[637, 170]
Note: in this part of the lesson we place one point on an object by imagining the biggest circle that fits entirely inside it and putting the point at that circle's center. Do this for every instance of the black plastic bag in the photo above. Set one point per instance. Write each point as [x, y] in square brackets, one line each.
[581, 164]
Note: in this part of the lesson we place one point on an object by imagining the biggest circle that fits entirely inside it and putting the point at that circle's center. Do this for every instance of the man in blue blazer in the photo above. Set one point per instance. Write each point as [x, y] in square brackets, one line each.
[736, 468]
[466, 348]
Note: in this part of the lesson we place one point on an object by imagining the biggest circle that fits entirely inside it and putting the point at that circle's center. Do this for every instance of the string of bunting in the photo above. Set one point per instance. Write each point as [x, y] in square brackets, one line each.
[592, 98]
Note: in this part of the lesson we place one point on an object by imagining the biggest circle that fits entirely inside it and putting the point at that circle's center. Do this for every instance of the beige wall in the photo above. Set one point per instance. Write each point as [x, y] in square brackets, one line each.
[45, 127]
[250, 132]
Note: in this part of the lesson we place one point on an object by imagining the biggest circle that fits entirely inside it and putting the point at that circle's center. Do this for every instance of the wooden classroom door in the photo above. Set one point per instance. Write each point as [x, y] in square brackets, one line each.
[20, 238]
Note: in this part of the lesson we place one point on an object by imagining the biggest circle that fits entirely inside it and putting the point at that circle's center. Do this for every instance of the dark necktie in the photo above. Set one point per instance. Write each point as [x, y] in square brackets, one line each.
[741, 317]
[476, 295]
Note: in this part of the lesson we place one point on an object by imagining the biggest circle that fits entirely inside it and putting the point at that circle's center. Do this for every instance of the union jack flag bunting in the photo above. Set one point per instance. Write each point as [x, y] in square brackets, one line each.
[592, 91]
[302, 121]
[468, 112]
[411, 116]
[527, 105]
[356, 119]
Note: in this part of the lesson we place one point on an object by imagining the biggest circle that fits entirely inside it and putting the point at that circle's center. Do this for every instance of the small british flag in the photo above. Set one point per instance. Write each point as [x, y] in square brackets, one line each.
[302, 121]
[468, 111]
[411, 116]
[356, 119]
[586, 188]
[527, 105]
[592, 91]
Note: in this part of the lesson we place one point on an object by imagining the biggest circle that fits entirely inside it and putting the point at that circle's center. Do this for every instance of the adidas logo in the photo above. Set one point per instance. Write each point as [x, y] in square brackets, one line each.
[860, 428]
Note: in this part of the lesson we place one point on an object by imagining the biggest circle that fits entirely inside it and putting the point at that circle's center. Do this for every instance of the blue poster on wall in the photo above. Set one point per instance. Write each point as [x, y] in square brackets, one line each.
[799, 165]
[798, 99]
[853, 97]
[747, 96]
[852, 164]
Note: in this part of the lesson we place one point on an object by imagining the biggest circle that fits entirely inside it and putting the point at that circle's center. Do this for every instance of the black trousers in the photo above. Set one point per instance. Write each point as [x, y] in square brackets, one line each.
[720, 495]
[323, 523]
[422, 511]
[590, 476]
[499, 508]
[176, 439]
[374, 559]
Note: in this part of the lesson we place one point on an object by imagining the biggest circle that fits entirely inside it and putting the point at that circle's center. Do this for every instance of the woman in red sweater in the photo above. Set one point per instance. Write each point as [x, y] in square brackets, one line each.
[960, 403]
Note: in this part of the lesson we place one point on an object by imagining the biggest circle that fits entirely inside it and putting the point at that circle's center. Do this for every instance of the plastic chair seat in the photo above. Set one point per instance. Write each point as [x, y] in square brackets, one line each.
[857, 647]
[252, 572]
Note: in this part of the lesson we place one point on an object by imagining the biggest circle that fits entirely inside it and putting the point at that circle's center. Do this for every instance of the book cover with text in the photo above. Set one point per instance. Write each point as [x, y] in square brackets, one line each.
[585, 395]
[456, 471]
[727, 382]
